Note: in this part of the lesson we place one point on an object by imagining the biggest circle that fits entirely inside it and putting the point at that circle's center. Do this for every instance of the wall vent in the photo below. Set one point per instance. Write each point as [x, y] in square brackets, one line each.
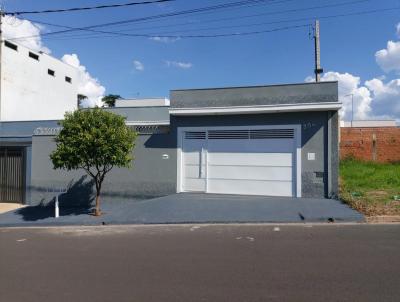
[195, 135]
[251, 134]
[271, 133]
[228, 134]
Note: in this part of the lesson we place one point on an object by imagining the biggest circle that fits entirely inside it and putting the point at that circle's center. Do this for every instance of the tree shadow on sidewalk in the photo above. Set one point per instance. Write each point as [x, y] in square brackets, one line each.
[76, 201]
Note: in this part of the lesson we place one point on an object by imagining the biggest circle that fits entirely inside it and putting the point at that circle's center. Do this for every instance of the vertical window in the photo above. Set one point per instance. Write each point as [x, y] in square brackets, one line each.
[68, 79]
[51, 72]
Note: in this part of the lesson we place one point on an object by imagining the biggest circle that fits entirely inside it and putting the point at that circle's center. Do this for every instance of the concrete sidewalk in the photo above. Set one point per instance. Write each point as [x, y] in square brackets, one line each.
[192, 208]
[6, 207]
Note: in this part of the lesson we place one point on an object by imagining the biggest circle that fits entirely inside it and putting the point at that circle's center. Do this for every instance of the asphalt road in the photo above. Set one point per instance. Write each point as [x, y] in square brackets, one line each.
[201, 263]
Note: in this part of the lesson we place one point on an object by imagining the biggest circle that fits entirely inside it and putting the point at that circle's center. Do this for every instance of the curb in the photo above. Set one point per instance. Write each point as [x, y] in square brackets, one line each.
[383, 219]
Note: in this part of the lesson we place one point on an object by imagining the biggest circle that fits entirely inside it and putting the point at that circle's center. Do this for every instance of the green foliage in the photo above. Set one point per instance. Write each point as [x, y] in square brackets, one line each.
[370, 187]
[360, 176]
[110, 99]
[94, 140]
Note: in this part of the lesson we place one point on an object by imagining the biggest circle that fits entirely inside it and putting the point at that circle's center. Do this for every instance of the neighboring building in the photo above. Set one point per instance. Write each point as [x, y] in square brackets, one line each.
[279, 140]
[147, 102]
[370, 140]
[34, 85]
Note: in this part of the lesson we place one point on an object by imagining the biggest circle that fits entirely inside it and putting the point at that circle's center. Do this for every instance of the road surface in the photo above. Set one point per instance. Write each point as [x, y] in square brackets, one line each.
[201, 263]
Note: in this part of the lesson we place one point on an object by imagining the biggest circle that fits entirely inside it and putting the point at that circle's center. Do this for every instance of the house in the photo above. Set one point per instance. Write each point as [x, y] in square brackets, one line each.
[35, 85]
[370, 140]
[279, 140]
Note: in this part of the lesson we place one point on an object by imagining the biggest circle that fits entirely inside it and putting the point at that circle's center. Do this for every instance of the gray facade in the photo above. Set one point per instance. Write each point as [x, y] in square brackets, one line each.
[256, 95]
[316, 128]
[154, 171]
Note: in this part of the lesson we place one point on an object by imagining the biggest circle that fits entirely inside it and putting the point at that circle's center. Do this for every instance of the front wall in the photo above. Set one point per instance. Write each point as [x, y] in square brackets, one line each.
[359, 143]
[150, 176]
[154, 176]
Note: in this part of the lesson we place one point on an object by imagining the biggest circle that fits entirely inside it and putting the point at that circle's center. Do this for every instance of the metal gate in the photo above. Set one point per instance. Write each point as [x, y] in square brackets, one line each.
[12, 178]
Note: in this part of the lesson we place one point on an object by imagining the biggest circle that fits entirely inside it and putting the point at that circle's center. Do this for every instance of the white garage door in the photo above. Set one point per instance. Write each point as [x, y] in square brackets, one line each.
[241, 161]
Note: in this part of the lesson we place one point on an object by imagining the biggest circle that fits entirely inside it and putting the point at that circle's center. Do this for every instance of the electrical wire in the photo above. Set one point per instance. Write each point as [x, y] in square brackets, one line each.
[191, 11]
[101, 33]
[75, 9]
[200, 36]
[110, 34]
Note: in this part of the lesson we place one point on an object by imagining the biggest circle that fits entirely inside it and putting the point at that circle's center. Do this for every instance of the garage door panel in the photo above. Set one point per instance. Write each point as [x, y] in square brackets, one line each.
[240, 161]
[249, 173]
[195, 184]
[253, 145]
[192, 158]
[193, 171]
[250, 187]
[259, 159]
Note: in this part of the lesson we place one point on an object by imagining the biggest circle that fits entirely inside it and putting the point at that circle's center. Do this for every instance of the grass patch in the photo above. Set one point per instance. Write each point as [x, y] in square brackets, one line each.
[369, 187]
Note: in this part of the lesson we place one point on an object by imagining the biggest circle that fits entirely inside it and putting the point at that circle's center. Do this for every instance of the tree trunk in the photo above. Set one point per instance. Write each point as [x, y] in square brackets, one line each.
[97, 211]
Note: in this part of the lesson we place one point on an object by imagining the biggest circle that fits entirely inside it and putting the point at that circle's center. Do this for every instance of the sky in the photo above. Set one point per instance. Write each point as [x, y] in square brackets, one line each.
[360, 50]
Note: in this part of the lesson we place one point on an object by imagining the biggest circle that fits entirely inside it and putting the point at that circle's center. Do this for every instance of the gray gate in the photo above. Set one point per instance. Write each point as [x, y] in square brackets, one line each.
[12, 178]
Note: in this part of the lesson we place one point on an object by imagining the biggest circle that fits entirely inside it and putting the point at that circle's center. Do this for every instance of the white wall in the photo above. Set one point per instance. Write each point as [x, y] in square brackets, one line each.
[28, 92]
[148, 102]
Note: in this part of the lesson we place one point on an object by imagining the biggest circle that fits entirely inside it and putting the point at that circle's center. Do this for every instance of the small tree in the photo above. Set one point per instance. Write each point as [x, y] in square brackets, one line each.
[96, 141]
[110, 99]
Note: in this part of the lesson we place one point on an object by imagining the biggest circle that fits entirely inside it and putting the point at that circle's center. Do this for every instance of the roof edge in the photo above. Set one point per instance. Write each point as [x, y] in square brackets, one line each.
[256, 86]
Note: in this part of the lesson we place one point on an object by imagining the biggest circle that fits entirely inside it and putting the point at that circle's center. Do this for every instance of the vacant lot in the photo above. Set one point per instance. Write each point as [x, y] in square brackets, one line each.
[371, 188]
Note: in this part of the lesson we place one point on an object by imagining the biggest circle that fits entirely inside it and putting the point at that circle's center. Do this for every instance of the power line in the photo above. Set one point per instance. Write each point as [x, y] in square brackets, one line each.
[101, 33]
[158, 35]
[62, 10]
[191, 11]
[266, 14]
[198, 36]
[240, 3]
[110, 34]
[253, 24]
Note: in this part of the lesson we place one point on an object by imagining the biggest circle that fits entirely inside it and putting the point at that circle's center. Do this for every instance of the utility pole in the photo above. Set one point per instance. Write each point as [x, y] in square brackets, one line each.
[318, 70]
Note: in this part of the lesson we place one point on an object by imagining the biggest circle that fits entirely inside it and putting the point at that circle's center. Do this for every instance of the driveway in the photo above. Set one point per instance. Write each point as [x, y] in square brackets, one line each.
[193, 208]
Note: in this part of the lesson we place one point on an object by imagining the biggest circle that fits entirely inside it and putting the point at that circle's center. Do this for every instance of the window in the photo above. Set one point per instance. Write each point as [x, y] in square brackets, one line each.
[34, 56]
[10, 45]
[68, 79]
[51, 72]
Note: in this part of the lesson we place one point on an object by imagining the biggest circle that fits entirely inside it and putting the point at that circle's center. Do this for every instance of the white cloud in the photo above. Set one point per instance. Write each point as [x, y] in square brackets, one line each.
[350, 88]
[15, 28]
[389, 58]
[138, 65]
[87, 85]
[182, 65]
[375, 99]
[165, 39]
[386, 98]
[378, 98]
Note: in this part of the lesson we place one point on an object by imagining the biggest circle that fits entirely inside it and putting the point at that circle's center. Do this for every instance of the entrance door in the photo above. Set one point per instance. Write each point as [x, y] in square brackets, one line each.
[12, 174]
[194, 161]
